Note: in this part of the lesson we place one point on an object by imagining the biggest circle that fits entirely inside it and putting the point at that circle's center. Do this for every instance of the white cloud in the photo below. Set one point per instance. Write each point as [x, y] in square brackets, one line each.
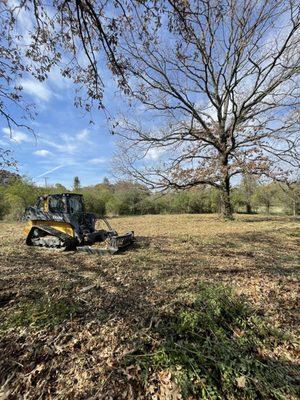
[64, 147]
[154, 153]
[36, 89]
[43, 153]
[83, 135]
[69, 144]
[97, 161]
[16, 136]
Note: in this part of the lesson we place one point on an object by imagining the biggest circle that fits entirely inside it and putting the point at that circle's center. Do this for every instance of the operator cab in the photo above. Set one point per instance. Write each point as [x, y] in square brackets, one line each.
[61, 203]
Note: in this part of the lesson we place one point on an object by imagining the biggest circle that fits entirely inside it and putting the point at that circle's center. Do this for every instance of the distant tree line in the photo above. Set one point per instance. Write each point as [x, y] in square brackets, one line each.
[128, 198]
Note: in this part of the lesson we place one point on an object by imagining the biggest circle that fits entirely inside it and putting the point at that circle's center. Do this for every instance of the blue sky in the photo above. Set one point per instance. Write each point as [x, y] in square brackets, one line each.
[66, 144]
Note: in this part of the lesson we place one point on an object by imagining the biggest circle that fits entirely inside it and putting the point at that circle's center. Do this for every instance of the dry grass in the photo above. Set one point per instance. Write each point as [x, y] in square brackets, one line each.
[68, 319]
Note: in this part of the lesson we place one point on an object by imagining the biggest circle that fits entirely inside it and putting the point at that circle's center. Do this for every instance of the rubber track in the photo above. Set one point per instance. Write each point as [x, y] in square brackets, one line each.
[69, 241]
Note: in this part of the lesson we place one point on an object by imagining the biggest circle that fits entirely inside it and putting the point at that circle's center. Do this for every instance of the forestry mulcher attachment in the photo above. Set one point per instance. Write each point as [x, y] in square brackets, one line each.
[59, 221]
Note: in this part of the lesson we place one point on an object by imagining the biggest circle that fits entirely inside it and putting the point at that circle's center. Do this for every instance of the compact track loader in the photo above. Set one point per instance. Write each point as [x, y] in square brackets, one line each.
[59, 221]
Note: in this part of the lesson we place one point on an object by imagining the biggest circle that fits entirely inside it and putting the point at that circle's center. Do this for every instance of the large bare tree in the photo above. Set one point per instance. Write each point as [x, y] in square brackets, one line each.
[223, 77]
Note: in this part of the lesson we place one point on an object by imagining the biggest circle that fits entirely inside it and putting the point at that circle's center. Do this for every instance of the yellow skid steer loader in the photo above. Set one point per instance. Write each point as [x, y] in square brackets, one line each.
[59, 221]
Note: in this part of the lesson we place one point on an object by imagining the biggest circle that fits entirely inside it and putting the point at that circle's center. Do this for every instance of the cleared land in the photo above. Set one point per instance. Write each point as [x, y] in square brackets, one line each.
[154, 322]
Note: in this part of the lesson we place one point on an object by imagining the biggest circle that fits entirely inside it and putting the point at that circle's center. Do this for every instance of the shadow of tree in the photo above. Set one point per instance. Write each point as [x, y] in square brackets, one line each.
[271, 217]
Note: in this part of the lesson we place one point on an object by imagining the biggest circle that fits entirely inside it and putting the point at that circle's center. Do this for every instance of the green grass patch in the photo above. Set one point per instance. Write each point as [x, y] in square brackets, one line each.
[218, 347]
[42, 312]
[189, 239]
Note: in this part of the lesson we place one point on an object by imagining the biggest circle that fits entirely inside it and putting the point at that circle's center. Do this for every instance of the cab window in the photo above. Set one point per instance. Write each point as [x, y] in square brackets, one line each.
[75, 204]
[57, 204]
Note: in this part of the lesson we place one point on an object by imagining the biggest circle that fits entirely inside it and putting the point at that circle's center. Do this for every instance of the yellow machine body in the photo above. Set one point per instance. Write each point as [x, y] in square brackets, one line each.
[60, 226]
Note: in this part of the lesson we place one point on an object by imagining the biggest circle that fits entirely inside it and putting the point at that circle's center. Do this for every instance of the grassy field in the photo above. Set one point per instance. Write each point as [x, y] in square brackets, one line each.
[198, 308]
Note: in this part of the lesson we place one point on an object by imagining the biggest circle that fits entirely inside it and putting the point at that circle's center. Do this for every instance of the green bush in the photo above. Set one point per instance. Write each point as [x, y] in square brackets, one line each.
[215, 200]
[149, 205]
[96, 200]
[4, 206]
[266, 196]
[18, 195]
[127, 202]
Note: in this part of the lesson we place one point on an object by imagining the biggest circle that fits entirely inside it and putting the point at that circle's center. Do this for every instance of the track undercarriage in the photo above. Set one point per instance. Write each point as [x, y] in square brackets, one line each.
[50, 238]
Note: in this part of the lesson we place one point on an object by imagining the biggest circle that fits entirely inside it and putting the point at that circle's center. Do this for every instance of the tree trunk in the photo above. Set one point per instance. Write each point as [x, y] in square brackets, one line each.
[226, 208]
[248, 208]
[296, 208]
